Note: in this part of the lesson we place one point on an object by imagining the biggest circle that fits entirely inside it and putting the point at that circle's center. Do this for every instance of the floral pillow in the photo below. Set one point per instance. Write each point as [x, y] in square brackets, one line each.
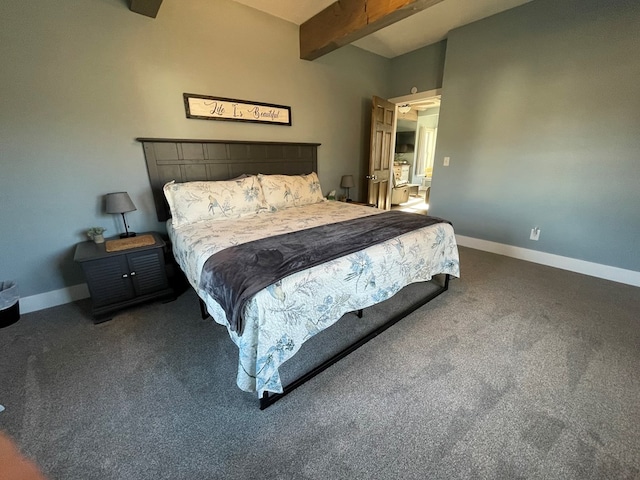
[282, 191]
[193, 202]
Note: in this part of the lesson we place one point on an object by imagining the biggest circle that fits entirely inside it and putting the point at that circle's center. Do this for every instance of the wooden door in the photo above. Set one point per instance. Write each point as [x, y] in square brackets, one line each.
[383, 126]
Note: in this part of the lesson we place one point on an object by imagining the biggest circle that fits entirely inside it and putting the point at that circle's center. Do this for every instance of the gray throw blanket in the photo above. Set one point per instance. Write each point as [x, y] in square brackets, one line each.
[235, 274]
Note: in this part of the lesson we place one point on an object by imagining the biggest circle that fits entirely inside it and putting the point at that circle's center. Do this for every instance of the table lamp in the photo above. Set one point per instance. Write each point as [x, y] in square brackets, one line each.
[119, 202]
[347, 183]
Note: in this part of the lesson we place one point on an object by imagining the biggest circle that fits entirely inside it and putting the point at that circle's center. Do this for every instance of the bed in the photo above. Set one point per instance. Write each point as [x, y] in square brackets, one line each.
[200, 182]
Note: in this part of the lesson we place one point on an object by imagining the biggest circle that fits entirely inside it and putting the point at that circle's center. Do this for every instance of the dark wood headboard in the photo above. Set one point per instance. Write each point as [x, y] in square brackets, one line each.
[191, 160]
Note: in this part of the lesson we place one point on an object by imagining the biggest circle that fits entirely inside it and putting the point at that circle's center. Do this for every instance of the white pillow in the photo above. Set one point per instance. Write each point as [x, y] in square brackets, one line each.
[282, 191]
[192, 202]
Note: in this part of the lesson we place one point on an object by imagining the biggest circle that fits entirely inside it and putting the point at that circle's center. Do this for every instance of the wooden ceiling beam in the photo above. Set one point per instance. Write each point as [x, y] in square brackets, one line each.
[346, 21]
[148, 8]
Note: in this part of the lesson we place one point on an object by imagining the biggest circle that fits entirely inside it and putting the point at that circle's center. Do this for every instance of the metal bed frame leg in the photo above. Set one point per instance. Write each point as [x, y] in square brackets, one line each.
[203, 309]
[268, 398]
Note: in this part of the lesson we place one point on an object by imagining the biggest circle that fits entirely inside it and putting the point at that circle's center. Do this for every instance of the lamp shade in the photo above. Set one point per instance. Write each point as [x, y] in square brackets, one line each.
[347, 181]
[119, 202]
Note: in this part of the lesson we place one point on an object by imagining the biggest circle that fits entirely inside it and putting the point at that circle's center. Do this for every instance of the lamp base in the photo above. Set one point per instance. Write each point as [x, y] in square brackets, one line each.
[128, 235]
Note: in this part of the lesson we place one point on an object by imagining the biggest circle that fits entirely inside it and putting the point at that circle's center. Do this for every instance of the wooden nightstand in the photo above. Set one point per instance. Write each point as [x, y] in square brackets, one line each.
[119, 279]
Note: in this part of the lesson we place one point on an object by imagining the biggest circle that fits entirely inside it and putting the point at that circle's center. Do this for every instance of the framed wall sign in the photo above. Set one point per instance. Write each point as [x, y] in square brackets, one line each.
[205, 107]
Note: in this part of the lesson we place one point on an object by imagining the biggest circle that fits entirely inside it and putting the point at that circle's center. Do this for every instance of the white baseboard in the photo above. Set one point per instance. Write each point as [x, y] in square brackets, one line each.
[606, 272]
[53, 298]
[629, 277]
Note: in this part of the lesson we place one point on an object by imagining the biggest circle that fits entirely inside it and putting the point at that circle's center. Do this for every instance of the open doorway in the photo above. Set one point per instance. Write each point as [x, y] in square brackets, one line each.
[416, 134]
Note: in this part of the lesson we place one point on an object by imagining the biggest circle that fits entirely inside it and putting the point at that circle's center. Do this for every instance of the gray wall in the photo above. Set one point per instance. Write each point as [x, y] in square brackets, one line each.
[81, 80]
[541, 118]
[423, 68]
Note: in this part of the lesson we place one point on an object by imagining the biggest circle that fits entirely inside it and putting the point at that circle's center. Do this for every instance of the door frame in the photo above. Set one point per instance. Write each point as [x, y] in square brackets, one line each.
[409, 99]
[417, 97]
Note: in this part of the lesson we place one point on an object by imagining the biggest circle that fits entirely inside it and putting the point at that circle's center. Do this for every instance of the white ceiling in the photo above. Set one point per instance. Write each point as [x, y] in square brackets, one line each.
[421, 29]
[294, 11]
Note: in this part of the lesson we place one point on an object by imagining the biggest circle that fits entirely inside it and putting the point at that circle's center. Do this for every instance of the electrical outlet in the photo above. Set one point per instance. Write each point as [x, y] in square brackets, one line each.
[535, 233]
[446, 161]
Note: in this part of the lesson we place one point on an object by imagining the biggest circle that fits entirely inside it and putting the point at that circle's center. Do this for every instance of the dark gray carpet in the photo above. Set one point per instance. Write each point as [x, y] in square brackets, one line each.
[518, 371]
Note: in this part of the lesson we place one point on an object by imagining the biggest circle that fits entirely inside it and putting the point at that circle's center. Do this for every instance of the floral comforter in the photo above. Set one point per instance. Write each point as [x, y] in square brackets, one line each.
[280, 318]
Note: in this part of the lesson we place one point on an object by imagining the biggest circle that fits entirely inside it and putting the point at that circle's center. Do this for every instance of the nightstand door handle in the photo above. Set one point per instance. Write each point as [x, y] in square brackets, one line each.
[124, 275]
[133, 273]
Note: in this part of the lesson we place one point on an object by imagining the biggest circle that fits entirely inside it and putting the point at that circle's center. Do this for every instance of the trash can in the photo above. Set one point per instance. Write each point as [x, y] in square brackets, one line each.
[9, 303]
